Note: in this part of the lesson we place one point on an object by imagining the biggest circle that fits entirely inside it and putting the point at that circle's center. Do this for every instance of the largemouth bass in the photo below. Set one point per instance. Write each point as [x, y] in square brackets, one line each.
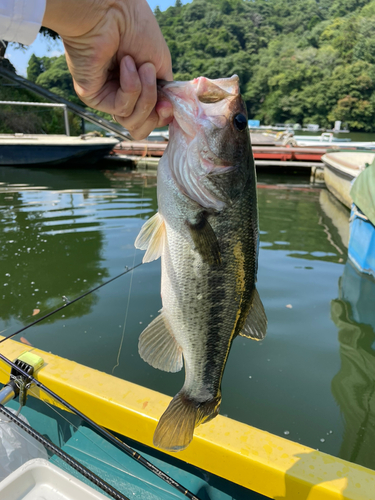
[206, 232]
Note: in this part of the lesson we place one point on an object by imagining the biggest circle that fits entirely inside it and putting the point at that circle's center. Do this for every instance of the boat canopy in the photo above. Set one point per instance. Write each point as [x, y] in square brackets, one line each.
[363, 192]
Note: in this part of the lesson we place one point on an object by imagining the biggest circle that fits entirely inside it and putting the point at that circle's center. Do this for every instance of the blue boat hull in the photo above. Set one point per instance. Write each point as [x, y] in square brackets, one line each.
[361, 249]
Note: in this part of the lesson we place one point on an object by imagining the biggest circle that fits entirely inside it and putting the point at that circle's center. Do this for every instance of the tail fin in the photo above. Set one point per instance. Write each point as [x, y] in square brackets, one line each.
[175, 429]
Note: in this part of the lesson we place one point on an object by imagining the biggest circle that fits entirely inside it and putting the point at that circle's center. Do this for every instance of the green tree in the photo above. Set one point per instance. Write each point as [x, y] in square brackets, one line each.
[298, 61]
[33, 68]
[57, 78]
[37, 66]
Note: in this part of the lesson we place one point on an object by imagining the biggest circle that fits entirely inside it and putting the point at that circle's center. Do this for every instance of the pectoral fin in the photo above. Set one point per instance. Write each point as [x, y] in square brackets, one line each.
[158, 347]
[255, 326]
[151, 238]
[205, 241]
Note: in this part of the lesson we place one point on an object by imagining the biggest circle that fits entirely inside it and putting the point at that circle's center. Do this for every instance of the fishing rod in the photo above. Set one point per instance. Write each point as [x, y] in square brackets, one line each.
[113, 439]
[17, 369]
[87, 473]
[15, 387]
[69, 303]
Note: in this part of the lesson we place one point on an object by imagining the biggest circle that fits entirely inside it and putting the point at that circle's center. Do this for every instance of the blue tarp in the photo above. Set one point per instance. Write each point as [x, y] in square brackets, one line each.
[253, 123]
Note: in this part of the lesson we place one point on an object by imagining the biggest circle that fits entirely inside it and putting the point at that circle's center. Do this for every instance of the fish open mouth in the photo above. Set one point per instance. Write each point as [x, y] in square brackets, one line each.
[204, 89]
[198, 102]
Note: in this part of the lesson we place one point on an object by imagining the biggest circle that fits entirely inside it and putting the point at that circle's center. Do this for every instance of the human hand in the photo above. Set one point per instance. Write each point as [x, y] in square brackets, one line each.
[115, 52]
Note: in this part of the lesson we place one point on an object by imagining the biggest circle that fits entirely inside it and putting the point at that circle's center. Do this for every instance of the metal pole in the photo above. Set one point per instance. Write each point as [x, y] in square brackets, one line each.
[7, 394]
[78, 110]
[24, 103]
[46, 105]
[67, 129]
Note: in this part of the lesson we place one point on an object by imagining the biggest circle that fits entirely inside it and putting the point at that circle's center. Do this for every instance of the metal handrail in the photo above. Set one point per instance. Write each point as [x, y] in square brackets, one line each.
[78, 110]
[46, 105]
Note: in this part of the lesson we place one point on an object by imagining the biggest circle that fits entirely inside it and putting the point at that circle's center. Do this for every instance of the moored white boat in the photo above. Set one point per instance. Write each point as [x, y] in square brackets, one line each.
[350, 176]
[40, 149]
[341, 168]
[328, 139]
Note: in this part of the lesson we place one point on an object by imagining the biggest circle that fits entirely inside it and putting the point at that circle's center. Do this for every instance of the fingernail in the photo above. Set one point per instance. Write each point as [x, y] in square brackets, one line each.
[130, 64]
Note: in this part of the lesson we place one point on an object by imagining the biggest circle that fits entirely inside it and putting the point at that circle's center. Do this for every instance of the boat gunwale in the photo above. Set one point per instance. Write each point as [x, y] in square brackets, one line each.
[338, 172]
[262, 462]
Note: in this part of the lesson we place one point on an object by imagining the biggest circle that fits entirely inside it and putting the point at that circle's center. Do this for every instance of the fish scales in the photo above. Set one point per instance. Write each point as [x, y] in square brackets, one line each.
[206, 320]
[206, 232]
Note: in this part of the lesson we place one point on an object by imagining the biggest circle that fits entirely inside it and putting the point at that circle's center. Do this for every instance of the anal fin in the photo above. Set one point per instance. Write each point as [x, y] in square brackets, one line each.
[158, 347]
[151, 238]
[255, 326]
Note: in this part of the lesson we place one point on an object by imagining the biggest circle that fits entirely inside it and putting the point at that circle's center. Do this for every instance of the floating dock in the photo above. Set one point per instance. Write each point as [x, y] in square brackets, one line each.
[145, 155]
[270, 153]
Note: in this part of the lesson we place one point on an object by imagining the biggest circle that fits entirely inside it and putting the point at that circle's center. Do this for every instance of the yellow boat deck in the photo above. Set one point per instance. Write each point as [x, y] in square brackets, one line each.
[265, 463]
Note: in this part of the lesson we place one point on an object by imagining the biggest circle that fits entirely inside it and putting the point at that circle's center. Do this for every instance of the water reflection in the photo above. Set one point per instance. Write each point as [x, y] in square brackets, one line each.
[291, 219]
[38, 265]
[59, 228]
[335, 220]
[53, 231]
[354, 385]
[353, 313]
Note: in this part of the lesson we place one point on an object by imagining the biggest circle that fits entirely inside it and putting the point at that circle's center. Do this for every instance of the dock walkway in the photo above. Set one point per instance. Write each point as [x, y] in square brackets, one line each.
[146, 155]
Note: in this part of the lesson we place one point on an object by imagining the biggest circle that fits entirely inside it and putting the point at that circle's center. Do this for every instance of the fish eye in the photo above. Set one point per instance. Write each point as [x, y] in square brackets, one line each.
[240, 122]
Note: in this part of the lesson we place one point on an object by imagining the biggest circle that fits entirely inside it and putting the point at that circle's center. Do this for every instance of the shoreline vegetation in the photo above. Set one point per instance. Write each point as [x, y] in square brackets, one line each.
[301, 61]
[51, 73]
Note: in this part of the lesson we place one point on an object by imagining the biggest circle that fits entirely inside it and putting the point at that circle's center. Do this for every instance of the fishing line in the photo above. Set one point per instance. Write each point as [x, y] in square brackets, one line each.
[129, 295]
[105, 433]
[113, 439]
[68, 303]
[125, 320]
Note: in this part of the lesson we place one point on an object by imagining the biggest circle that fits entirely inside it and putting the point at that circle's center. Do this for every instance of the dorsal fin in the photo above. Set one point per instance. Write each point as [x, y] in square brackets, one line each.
[255, 326]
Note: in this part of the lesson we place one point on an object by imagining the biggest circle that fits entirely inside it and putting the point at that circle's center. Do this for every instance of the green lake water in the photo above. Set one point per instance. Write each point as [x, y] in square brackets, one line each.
[312, 380]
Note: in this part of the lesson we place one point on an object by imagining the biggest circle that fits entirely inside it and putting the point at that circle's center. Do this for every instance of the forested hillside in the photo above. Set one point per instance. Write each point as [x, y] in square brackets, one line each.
[304, 61]
[299, 61]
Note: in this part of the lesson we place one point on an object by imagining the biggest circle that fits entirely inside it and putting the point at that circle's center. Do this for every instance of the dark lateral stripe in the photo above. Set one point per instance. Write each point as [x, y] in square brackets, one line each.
[214, 340]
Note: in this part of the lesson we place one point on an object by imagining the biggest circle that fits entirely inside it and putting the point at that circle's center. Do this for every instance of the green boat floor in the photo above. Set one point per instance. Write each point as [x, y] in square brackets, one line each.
[133, 480]
[56, 425]
[118, 469]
